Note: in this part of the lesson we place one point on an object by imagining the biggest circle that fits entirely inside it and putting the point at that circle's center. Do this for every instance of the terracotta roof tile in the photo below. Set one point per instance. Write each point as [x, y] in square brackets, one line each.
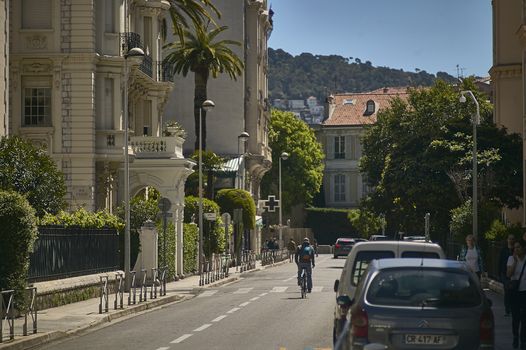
[349, 109]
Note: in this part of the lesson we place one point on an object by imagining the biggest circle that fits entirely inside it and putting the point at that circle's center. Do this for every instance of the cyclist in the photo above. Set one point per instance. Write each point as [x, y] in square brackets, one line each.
[304, 258]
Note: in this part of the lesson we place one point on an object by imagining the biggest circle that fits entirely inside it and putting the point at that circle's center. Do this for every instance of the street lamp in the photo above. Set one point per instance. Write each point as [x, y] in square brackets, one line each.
[243, 137]
[207, 106]
[135, 54]
[283, 156]
[475, 120]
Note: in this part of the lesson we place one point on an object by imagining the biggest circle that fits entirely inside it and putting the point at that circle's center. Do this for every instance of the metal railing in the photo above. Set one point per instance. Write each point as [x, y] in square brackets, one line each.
[162, 282]
[7, 313]
[119, 291]
[31, 311]
[164, 72]
[248, 260]
[104, 295]
[214, 268]
[271, 256]
[132, 293]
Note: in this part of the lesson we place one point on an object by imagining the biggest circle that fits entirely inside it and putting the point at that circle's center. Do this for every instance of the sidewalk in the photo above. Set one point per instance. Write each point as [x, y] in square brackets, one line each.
[63, 321]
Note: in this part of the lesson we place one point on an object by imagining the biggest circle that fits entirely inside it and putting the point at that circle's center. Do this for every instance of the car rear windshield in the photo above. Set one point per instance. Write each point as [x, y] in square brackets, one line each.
[362, 260]
[424, 287]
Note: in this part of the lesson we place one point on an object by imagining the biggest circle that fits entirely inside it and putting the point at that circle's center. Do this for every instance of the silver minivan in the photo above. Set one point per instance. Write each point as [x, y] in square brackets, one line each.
[358, 260]
[420, 304]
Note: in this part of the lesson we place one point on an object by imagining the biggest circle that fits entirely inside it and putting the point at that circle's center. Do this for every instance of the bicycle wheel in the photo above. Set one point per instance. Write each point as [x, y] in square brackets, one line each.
[304, 285]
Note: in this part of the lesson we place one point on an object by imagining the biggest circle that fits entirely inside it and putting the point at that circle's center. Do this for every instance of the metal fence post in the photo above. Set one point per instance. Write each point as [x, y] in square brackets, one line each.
[119, 291]
[32, 310]
[133, 290]
[103, 294]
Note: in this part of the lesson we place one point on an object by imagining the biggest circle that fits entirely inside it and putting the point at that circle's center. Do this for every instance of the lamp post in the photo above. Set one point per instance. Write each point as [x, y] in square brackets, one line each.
[475, 120]
[136, 53]
[283, 156]
[208, 105]
[243, 137]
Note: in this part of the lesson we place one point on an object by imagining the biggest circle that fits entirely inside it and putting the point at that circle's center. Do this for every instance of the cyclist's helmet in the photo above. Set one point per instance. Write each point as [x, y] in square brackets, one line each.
[306, 240]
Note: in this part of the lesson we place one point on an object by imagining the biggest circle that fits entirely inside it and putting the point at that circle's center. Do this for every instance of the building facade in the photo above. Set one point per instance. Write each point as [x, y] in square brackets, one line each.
[346, 117]
[508, 75]
[69, 79]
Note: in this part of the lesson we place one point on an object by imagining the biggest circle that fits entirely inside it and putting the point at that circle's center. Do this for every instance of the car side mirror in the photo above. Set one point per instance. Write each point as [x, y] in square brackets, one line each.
[344, 301]
[336, 285]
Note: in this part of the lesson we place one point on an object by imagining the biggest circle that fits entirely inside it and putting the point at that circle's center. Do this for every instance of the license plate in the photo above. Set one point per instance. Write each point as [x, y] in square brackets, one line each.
[424, 339]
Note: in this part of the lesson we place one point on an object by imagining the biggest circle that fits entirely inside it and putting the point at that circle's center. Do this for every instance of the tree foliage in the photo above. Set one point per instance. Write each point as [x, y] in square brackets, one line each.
[17, 235]
[183, 13]
[417, 158]
[31, 172]
[211, 163]
[302, 172]
[304, 75]
[365, 222]
[203, 54]
[232, 198]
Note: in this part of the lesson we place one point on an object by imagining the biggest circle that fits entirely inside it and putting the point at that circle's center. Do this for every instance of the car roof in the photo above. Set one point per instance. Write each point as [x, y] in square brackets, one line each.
[415, 262]
[345, 239]
[374, 245]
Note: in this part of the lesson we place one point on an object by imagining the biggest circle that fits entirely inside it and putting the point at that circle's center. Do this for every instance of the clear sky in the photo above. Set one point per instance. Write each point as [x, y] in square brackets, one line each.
[430, 35]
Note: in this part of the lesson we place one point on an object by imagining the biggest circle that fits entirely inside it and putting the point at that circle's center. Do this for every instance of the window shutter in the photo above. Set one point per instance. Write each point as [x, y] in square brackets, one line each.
[36, 14]
[330, 147]
[348, 146]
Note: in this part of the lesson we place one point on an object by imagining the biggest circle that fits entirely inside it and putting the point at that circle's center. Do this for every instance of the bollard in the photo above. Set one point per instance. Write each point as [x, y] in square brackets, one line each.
[153, 289]
[143, 293]
[162, 291]
[103, 294]
[119, 293]
[32, 310]
[133, 290]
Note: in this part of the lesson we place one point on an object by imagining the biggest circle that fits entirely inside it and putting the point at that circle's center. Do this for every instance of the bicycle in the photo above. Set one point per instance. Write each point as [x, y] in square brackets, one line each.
[303, 283]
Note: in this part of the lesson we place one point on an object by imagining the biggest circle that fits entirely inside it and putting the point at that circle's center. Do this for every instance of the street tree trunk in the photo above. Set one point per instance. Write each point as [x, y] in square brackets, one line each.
[200, 96]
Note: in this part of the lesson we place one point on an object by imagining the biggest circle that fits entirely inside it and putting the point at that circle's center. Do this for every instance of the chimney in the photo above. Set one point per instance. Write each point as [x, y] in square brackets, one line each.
[329, 107]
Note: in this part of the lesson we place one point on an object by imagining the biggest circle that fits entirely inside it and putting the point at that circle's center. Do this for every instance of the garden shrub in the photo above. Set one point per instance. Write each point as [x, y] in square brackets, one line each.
[191, 236]
[214, 239]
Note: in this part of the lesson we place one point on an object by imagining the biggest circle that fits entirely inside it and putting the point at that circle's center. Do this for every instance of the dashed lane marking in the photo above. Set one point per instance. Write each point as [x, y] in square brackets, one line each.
[263, 294]
[278, 289]
[203, 327]
[207, 293]
[243, 290]
[245, 303]
[233, 310]
[219, 318]
[164, 348]
[254, 298]
[181, 338]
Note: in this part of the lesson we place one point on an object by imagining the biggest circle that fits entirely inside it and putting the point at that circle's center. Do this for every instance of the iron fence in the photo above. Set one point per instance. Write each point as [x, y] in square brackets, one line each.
[67, 252]
[271, 256]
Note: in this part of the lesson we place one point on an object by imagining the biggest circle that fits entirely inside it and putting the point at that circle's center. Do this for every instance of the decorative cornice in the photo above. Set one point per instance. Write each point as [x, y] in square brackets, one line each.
[506, 71]
[36, 42]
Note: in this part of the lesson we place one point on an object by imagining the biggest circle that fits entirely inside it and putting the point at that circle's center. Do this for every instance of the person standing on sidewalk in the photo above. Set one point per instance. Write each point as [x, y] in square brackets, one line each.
[505, 253]
[515, 272]
[292, 249]
[472, 255]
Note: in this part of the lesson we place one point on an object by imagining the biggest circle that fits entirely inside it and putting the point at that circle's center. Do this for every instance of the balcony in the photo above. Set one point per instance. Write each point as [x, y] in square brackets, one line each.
[130, 40]
[110, 145]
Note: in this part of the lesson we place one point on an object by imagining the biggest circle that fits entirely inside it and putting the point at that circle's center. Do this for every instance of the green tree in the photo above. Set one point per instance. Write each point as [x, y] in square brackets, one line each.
[211, 163]
[203, 54]
[213, 233]
[417, 158]
[17, 235]
[184, 12]
[31, 172]
[365, 222]
[302, 172]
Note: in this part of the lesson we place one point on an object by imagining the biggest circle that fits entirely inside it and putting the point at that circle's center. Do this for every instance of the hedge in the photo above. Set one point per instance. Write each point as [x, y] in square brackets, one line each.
[328, 224]
[190, 234]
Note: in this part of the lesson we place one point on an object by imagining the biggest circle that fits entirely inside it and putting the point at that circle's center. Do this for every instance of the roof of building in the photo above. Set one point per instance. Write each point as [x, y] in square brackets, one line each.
[350, 109]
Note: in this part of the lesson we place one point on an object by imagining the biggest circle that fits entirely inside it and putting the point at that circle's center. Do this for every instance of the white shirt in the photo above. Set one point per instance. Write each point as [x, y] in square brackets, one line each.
[472, 259]
[517, 272]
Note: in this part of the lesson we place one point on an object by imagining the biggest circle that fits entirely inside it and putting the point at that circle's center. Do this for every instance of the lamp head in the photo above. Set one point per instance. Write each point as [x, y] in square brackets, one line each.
[208, 105]
[243, 136]
[134, 52]
[462, 98]
[284, 156]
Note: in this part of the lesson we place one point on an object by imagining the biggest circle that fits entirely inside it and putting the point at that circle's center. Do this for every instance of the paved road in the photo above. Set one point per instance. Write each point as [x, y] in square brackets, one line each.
[262, 311]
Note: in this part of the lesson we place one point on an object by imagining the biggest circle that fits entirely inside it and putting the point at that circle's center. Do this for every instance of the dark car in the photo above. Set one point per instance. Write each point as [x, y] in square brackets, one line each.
[343, 246]
[419, 304]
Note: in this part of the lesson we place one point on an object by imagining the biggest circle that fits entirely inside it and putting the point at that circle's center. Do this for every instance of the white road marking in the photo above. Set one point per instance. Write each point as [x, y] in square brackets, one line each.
[263, 294]
[317, 289]
[243, 290]
[207, 293]
[245, 303]
[254, 298]
[164, 348]
[290, 278]
[203, 327]
[233, 310]
[217, 319]
[278, 289]
[181, 338]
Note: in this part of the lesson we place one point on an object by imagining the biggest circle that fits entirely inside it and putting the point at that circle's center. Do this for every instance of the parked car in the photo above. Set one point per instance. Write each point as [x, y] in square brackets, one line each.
[342, 247]
[378, 238]
[360, 256]
[420, 304]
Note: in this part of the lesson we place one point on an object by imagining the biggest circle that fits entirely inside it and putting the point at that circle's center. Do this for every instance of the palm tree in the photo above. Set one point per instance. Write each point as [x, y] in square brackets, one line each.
[182, 12]
[203, 55]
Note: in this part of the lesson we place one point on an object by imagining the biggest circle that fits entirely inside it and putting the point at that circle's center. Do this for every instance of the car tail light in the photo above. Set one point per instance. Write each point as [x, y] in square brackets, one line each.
[337, 246]
[359, 324]
[486, 327]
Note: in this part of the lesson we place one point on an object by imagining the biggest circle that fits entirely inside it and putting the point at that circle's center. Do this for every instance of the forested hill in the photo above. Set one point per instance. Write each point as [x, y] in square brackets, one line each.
[298, 77]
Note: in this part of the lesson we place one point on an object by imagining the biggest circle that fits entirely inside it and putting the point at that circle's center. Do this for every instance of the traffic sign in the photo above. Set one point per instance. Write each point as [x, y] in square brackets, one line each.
[226, 218]
[210, 216]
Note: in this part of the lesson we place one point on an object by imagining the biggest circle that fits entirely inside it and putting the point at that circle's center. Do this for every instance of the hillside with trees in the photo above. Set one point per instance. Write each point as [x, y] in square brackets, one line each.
[298, 77]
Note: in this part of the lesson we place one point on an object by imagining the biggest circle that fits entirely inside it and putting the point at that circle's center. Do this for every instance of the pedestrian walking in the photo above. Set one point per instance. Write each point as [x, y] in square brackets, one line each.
[291, 247]
[472, 255]
[517, 286]
[315, 246]
[505, 253]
